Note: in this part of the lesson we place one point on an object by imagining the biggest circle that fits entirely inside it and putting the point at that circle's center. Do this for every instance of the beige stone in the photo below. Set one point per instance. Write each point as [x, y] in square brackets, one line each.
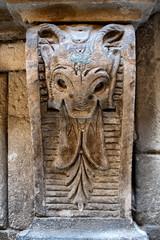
[86, 87]
[4, 12]
[3, 151]
[9, 29]
[3, 95]
[18, 97]
[20, 158]
[148, 85]
[12, 56]
[80, 11]
[147, 189]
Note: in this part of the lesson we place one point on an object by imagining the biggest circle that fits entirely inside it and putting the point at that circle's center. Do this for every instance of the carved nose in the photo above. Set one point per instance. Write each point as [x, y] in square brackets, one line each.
[71, 96]
[81, 102]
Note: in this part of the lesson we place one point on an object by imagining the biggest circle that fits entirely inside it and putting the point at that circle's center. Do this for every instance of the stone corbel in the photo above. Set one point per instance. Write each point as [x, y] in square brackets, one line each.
[26, 12]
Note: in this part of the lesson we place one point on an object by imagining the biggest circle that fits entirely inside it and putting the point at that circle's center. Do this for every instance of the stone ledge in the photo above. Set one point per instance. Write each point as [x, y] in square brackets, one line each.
[80, 11]
[82, 228]
[8, 234]
[16, 13]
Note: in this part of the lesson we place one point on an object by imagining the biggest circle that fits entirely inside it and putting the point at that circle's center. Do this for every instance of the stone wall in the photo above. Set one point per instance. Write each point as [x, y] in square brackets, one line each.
[146, 179]
[16, 156]
[15, 136]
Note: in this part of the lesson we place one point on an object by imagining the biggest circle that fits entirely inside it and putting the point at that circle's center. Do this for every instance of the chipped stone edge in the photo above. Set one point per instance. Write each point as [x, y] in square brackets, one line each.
[35, 119]
[128, 117]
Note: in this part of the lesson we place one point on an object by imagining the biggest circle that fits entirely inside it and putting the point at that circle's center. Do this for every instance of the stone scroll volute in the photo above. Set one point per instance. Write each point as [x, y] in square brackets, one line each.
[80, 70]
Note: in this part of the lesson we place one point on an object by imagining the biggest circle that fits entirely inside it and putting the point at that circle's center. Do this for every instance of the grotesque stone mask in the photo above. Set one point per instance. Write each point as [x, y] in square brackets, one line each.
[80, 67]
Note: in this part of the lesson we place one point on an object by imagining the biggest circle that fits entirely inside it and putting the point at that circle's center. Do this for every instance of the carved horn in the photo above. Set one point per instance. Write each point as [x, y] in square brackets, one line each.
[51, 30]
[108, 34]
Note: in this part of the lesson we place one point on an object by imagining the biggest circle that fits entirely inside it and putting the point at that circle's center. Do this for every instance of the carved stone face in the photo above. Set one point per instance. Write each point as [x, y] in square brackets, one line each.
[80, 68]
[79, 92]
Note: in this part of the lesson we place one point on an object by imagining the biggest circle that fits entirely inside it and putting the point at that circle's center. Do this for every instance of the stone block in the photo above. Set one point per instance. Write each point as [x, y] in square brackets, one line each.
[3, 95]
[148, 85]
[20, 158]
[79, 99]
[12, 56]
[4, 12]
[152, 231]
[147, 182]
[8, 234]
[82, 228]
[80, 11]
[3, 151]
[18, 100]
[9, 30]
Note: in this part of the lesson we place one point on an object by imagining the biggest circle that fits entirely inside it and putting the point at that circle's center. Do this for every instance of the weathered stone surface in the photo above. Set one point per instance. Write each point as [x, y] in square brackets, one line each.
[3, 151]
[147, 189]
[20, 158]
[153, 231]
[4, 12]
[18, 97]
[3, 95]
[8, 234]
[12, 56]
[147, 95]
[81, 228]
[76, 102]
[8, 28]
[83, 87]
[23, 12]
[61, 11]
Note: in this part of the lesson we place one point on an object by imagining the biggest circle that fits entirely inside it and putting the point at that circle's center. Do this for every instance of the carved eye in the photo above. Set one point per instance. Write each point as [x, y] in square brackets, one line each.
[99, 87]
[61, 83]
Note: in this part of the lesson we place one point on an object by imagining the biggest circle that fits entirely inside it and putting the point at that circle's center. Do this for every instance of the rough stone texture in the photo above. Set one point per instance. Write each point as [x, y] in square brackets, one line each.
[12, 56]
[91, 55]
[4, 12]
[153, 231]
[147, 189]
[20, 158]
[18, 102]
[81, 80]
[8, 234]
[147, 94]
[3, 151]
[8, 28]
[147, 166]
[79, 11]
[81, 228]
[15, 15]
[81, 143]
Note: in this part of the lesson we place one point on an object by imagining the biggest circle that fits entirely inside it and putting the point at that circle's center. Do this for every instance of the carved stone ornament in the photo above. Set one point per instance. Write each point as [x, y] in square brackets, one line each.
[81, 83]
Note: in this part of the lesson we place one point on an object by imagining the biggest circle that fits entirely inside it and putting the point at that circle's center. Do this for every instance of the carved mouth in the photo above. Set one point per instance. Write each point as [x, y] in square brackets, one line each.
[81, 114]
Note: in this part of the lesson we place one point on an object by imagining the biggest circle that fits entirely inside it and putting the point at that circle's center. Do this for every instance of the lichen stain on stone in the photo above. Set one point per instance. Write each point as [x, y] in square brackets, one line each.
[12, 157]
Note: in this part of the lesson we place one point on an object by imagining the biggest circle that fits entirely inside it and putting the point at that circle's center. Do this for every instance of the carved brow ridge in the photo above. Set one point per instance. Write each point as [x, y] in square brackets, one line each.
[59, 67]
[96, 71]
[62, 67]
